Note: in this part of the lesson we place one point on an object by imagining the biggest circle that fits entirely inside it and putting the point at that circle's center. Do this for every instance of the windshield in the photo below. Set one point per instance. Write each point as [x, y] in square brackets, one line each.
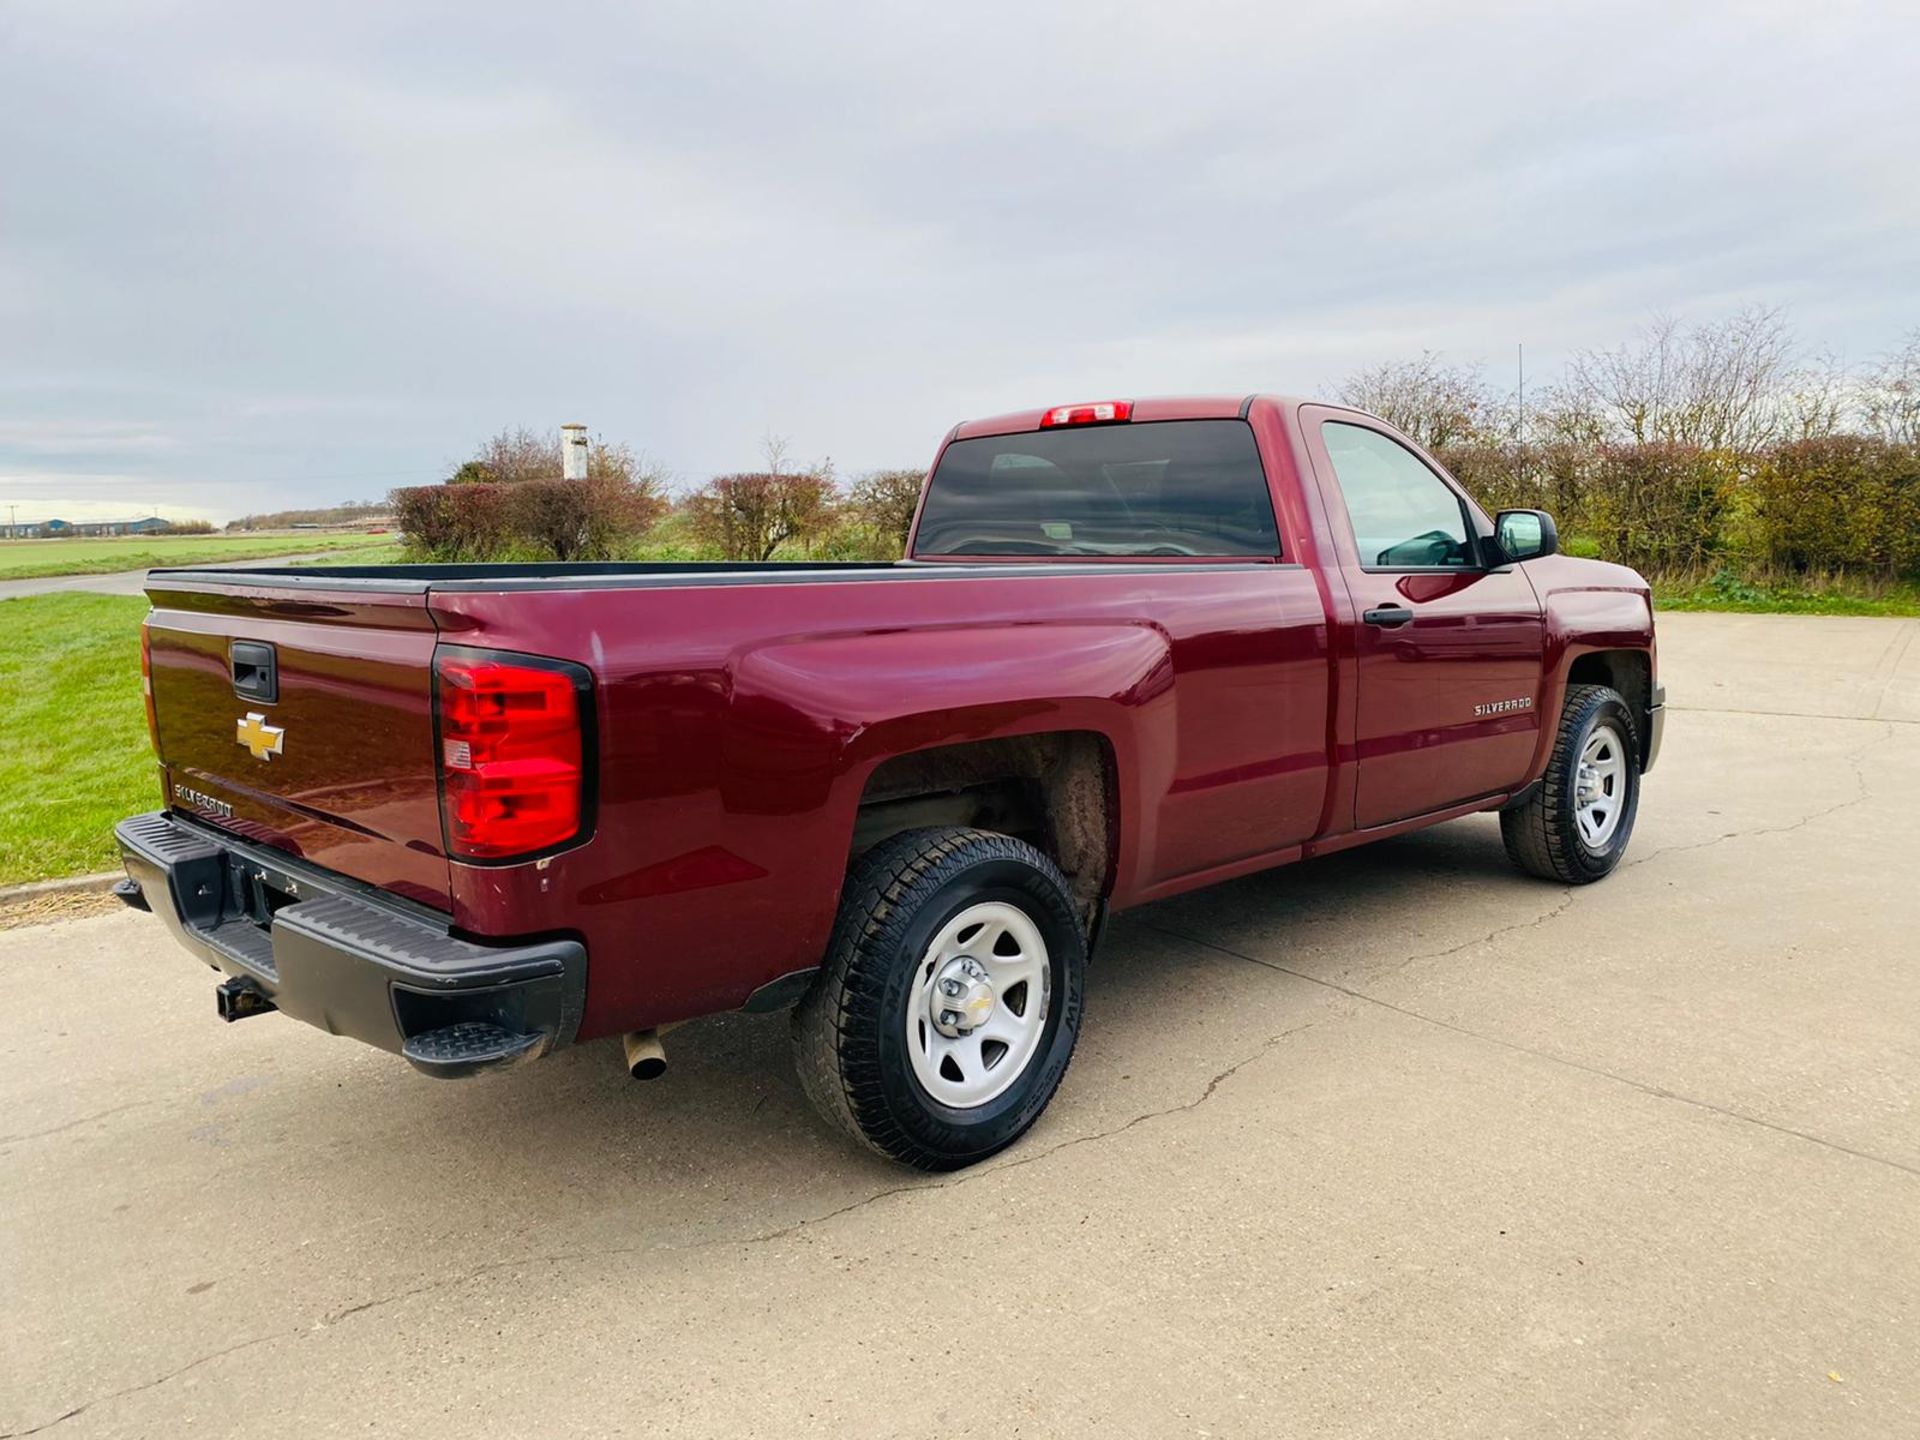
[1177, 488]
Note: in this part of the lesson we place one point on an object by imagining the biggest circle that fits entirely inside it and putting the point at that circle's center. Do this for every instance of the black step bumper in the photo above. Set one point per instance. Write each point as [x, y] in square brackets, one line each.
[345, 958]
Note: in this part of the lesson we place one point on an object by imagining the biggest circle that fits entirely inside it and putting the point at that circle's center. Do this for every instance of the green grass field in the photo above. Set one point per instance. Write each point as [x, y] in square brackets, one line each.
[388, 552]
[30, 559]
[74, 758]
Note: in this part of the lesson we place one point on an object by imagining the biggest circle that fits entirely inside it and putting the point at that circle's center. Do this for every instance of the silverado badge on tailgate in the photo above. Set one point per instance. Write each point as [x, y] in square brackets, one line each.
[262, 740]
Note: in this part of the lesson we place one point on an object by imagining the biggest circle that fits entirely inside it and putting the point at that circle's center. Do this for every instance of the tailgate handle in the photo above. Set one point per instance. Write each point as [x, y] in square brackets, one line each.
[255, 676]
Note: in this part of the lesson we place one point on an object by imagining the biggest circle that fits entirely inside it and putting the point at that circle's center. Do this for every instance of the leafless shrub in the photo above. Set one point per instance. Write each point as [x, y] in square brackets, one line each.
[590, 519]
[749, 516]
[883, 501]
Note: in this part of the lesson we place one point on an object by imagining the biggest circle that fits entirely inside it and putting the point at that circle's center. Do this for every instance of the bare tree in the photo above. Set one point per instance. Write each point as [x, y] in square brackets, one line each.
[1817, 399]
[614, 460]
[1711, 385]
[1432, 402]
[1891, 403]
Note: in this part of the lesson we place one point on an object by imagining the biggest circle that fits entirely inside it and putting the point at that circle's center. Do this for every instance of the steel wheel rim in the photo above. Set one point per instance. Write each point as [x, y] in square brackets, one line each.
[1600, 785]
[992, 949]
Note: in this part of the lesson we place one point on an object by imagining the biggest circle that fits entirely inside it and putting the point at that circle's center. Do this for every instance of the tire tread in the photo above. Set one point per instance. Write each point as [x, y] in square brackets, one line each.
[1541, 835]
[884, 889]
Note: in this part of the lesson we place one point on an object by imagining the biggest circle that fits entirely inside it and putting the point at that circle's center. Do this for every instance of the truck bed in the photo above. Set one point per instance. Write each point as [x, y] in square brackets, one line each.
[601, 575]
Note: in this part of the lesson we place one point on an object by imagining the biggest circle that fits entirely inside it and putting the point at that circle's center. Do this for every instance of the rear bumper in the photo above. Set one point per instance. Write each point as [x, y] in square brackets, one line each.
[1656, 724]
[346, 959]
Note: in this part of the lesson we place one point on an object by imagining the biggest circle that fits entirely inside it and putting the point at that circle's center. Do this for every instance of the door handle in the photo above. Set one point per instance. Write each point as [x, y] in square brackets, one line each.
[1388, 615]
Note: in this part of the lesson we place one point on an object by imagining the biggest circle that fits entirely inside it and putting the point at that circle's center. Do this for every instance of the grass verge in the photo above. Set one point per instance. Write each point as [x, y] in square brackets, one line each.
[1727, 592]
[74, 758]
[32, 559]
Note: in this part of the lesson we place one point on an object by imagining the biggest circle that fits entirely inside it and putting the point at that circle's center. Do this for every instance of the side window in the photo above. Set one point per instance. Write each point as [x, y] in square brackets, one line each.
[1404, 516]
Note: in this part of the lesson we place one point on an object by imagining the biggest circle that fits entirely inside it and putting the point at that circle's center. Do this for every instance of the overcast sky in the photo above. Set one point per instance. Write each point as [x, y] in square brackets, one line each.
[261, 255]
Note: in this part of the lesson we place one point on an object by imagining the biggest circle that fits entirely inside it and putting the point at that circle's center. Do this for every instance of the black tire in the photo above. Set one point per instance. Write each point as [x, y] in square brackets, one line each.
[850, 1032]
[1543, 835]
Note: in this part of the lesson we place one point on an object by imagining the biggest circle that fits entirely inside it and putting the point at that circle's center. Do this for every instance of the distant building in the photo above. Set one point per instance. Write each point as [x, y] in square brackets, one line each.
[68, 529]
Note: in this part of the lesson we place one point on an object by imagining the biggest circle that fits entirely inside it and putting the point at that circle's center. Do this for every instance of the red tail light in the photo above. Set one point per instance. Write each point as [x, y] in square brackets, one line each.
[1104, 412]
[513, 753]
[146, 686]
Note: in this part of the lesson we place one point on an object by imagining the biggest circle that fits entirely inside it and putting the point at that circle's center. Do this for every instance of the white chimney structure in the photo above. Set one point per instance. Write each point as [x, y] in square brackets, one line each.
[573, 452]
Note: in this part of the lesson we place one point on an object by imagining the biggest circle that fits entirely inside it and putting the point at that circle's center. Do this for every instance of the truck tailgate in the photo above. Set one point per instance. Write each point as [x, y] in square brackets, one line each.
[303, 719]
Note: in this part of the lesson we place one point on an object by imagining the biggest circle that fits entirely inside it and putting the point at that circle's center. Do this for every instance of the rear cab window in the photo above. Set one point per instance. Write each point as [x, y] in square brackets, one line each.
[1170, 489]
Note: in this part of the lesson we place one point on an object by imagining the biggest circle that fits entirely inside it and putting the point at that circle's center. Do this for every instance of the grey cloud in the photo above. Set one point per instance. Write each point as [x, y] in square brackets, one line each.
[324, 253]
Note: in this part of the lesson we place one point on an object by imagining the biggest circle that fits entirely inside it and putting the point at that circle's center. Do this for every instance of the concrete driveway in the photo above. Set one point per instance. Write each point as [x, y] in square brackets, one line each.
[1398, 1143]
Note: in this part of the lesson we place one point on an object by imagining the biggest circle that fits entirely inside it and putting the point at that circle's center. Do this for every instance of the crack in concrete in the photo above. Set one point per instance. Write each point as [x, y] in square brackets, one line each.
[70, 1125]
[1645, 1088]
[987, 1172]
[564, 1257]
[1852, 757]
[1566, 900]
[143, 1385]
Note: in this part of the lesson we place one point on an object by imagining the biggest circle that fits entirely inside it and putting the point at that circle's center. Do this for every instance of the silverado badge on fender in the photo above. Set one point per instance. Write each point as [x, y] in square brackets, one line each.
[262, 740]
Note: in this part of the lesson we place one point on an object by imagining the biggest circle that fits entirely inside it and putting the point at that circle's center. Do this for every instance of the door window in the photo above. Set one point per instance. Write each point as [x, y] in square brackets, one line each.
[1404, 516]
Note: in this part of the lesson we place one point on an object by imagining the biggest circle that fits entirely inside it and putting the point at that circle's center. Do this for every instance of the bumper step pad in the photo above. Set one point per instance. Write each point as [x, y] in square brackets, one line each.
[470, 1046]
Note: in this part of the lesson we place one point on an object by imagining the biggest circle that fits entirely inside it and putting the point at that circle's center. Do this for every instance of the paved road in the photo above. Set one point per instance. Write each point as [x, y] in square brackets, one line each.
[134, 582]
[1396, 1143]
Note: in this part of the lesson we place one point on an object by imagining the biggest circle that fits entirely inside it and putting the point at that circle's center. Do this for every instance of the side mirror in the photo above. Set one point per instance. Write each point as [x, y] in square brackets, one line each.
[1525, 534]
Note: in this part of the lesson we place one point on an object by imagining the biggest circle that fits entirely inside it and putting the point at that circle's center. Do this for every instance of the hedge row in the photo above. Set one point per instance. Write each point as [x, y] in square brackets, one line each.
[1844, 503]
[1841, 504]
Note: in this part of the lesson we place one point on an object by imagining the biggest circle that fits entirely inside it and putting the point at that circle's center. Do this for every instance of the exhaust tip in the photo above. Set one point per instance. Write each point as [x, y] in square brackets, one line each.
[646, 1057]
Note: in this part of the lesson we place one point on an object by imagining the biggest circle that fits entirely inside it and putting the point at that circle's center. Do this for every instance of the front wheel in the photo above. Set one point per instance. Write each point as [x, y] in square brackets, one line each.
[946, 1012]
[1575, 827]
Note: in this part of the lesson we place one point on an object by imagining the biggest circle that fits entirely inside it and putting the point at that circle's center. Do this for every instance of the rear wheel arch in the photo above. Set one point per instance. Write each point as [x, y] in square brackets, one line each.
[1059, 791]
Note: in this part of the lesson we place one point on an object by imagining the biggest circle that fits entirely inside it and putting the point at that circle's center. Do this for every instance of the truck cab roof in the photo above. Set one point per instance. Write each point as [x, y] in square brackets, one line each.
[1159, 407]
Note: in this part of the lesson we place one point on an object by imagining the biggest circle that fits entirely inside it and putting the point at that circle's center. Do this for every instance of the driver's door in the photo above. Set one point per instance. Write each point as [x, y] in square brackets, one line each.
[1448, 651]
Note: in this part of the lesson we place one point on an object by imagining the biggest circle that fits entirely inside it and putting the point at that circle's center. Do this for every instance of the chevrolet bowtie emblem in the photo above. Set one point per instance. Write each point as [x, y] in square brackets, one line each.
[262, 740]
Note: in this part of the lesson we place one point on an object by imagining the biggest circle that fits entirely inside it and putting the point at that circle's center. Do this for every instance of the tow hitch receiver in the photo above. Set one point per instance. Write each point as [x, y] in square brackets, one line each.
[238, 998]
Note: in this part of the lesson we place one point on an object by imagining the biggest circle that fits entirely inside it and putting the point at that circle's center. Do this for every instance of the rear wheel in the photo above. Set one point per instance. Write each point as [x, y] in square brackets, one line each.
[1575, 827]
[947, 1009]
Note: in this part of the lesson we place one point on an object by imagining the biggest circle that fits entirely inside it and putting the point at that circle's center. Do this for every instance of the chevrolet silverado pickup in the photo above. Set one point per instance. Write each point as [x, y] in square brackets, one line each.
[473, 813]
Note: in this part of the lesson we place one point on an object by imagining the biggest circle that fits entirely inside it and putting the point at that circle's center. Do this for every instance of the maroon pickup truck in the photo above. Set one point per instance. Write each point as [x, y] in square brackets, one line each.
[473, 813]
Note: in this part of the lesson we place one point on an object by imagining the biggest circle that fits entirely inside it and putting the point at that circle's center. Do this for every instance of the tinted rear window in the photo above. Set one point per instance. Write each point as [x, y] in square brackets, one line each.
[1181, 487]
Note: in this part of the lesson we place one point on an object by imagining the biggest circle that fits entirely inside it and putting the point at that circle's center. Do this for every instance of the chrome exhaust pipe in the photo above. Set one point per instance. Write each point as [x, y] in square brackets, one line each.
[646, 1056]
